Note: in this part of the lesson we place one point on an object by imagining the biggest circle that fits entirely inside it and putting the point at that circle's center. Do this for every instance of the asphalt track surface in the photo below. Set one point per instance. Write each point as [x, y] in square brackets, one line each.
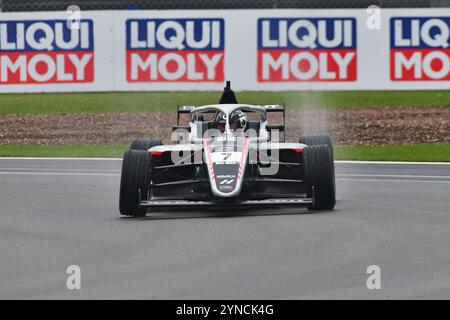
[56, 213]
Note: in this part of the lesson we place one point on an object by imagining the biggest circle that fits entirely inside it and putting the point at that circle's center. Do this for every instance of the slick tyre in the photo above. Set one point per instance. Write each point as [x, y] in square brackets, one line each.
[313, 140]
[134, 185]
[144, 144]
[319, 177]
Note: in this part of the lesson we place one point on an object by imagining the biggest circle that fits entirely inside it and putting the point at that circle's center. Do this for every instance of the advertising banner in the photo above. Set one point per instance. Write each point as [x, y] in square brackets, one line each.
[272, 50]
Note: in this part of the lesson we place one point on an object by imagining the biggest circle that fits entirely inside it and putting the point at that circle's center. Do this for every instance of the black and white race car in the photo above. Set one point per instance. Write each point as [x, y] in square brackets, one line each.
[228, 156]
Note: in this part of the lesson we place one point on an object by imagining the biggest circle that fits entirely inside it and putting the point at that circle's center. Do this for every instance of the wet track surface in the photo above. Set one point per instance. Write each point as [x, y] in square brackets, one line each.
[56, 213]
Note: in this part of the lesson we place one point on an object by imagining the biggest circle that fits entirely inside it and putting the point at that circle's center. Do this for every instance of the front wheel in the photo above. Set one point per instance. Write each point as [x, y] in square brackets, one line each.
[315, 140]
[144, 143]
[319, 177]
[134, 183]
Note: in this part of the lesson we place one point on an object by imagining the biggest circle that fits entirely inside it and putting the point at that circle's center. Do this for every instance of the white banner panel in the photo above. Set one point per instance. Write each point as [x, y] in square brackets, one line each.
[38, 52]
[200, 49]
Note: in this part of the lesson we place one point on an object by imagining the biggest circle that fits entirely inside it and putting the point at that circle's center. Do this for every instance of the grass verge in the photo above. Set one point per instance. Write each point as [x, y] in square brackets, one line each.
[402, 152]
[63, 151]
[417, 152]
[57, 103]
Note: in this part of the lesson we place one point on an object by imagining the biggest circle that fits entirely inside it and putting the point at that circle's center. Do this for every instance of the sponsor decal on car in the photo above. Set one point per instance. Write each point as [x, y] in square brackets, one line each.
[306, 49]
[46, 52]
[175, 50]
[419, 48]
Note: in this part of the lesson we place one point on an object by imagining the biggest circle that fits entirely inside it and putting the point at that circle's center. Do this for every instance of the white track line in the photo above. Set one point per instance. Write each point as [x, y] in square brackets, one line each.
[337, 161]
[48, 158]
[393, 180]
[57, 169]
[58, 173]
[390, 175]
[389, 162]
[339, 179]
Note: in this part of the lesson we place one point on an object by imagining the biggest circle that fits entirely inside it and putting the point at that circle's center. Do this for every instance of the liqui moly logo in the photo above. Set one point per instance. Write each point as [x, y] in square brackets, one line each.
[306, 49]
[46, 51]
[175, 50]
[420, 48]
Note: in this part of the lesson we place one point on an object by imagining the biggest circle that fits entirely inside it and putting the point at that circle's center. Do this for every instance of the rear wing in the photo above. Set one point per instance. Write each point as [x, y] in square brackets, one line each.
[274, 107]
[281, 108]
[185, 109]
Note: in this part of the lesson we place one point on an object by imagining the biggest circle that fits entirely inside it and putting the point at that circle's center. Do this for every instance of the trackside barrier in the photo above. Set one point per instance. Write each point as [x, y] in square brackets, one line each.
[199, 49]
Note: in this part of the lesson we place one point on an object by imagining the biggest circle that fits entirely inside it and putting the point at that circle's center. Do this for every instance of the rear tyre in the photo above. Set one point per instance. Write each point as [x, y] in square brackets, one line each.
[319, 177]
[314, 140]
[144, 144]
[134, 184]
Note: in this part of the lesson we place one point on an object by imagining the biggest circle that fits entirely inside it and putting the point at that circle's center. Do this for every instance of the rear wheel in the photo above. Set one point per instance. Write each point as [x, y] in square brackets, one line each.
[144, 143]
[134, 182]
[319, 177]
[314, 140]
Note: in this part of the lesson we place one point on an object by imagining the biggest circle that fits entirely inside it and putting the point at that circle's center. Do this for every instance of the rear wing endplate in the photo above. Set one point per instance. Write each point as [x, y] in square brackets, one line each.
[183, 109]
[277, 108]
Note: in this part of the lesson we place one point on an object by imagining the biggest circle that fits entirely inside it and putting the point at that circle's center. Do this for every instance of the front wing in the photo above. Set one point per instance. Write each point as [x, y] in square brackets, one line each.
[245, 203]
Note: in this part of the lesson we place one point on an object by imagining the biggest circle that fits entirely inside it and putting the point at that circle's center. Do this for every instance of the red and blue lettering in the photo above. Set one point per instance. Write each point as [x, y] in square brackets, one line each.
[46, 51]
[175, 50]
[419, 48]
[306, 49]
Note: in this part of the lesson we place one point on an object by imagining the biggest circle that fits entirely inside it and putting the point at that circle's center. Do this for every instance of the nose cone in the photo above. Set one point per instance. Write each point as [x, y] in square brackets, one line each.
[226, 165]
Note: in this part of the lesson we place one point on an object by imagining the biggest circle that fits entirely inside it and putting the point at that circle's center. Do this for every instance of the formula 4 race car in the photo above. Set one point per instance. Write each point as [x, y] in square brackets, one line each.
[228, 155]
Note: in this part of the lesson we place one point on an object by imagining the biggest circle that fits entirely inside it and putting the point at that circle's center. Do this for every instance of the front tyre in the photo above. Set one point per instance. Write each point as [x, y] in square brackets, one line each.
[144, 143]
[319, 177]
[134, 183]
[315, 140]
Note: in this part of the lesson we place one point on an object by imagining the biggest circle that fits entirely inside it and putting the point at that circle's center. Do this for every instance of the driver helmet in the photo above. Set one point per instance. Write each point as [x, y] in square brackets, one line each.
[238, 120]
[220, 121]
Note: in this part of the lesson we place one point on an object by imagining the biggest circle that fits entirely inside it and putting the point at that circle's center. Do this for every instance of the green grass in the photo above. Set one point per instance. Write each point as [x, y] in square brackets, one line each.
[419, 152]
[412, 152]
[53, 103]
[61, 151]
